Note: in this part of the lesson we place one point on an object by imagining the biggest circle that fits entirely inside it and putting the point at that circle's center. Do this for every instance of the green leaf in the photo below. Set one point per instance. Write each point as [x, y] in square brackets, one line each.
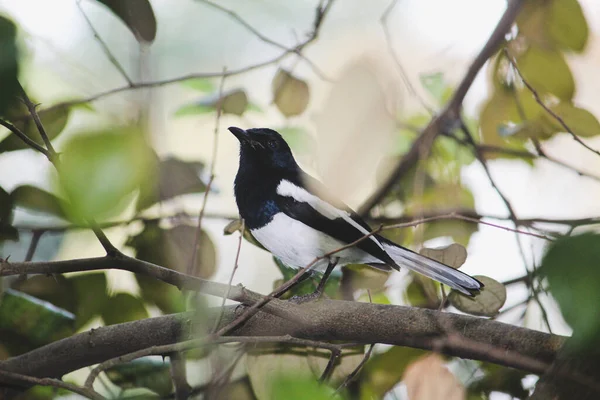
[6, 207]
[54, 122]
[290, 94]
[500, 379]
[37, 321]
[566, 24]
[547, 72]
[299, 139]
[268, 363]
[571, 266]
[55, 289]
[309, 284]
[385, 370]
[435, 84]
[581, 122]
[123, 307]
[174, 178]
[199, 84]
[137, 15]
[36, 199]
[294, 388]
[92, 296]
[487, 303]
[193, 109]
[147, 372]
[8, 232]
[173, 249]
[9, 65]
[100, 170]
[500, 110]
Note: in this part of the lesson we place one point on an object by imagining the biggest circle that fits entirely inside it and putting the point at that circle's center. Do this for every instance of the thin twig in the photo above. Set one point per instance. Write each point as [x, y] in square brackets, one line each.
[250, 311]
[24, 137]
[195, 343]
[105, 48]
[235, 267]
[38, 123]
[213, 162]
[539, 100]
[57, 383]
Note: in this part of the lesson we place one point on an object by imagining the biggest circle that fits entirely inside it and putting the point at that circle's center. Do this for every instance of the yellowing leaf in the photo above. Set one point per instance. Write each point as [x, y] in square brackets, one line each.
[566, 24]
[453, 255]
[98, 171]
[581, 122]
[487, 303]
[428, 379]
[547, 72]
[290, 94]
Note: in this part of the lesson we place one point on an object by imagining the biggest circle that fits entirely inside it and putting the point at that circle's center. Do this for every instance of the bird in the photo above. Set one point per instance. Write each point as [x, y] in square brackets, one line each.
[293, 216]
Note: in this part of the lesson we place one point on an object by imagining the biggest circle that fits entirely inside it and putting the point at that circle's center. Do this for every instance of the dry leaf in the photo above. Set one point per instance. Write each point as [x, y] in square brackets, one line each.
[428, 379]
[487, 303]
[453, 256]
[290, 94]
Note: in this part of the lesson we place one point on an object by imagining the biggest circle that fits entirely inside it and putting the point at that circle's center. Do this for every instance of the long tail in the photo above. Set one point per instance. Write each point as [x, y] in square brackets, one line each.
[432, 269]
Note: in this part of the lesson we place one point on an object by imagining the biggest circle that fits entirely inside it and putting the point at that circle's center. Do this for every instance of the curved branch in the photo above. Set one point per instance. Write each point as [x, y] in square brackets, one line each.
[330, 320]
[421, 146]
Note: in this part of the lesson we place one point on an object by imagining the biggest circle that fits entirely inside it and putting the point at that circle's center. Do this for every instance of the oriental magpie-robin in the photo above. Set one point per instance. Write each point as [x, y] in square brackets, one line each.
[291, 215]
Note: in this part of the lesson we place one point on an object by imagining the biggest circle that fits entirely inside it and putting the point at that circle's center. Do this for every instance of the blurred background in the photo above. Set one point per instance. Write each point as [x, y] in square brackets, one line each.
[374, 74]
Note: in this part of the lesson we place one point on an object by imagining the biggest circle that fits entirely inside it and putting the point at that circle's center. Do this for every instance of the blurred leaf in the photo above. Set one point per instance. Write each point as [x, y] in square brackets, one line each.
[428, 379]
[571, 266]
[55, 289]
[547, 72]
[581, 122]
[54, 122]
[435, 84]
[37, 321]
[295, 388]
[233, 102]
[36, 199]
[92, 297]
[500, 110]
[123, 307]
[236, 226]
[98, 171]
[366, 277]
[171, 248]
[376, 298]
[290, 94]
[487, 303]
[137, 15]
[193, 109]
[298, 139]
[147, 372]
[422, 292]
[199, 84]
[267, 363]
[43, 393]
[384, 371]
[566, 24]
[175, 177]
[8, 232]
[6, 206]
[453, 255]
[254, 107]
[309, 284]
[9, 65]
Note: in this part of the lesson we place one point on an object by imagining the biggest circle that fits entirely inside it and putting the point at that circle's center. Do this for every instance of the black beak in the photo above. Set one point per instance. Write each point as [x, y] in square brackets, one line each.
[239, 133]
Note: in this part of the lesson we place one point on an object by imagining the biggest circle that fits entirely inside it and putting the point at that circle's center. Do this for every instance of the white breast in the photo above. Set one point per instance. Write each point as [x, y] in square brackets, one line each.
[297, 244]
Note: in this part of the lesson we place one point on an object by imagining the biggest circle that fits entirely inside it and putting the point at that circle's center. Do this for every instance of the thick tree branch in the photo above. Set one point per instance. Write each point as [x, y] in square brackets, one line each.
[329, 320]
[449, 116]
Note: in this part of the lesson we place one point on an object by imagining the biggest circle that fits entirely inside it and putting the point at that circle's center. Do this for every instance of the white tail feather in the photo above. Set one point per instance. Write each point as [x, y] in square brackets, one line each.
[433, 269]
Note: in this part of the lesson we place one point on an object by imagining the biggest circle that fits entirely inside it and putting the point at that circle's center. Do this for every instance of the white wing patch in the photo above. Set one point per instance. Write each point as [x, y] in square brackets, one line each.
[288, 189]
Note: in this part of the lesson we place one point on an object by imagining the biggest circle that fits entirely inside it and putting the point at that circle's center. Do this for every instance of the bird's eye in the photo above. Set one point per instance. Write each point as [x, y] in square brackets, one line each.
[272, 144]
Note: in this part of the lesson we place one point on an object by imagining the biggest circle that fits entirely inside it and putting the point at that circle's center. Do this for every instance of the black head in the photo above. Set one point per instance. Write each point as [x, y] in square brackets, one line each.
[263, 147]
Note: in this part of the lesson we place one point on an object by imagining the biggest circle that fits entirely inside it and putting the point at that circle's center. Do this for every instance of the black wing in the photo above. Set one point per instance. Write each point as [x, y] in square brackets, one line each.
[339, 228]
